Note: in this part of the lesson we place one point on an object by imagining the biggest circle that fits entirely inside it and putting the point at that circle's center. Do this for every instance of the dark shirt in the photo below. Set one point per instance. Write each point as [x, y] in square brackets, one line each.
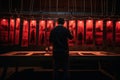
[59, 38]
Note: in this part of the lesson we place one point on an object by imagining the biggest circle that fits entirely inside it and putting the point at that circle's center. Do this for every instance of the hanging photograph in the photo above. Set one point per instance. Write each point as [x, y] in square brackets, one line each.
[32, 37]
[117, 33]
[99, 32]
[11, 35]
[17, 31]
[89, 32]
[42, 37]
[80, 32]
[49, 27]
[25, 33]
[109, 32]
[4, 32]
[72, 28]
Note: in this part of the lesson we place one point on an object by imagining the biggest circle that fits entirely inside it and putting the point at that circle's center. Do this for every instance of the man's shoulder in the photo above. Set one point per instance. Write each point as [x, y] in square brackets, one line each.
[59, 28]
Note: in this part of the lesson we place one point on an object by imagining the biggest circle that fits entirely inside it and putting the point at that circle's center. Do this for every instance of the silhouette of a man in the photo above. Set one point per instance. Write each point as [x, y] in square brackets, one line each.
[59, 38]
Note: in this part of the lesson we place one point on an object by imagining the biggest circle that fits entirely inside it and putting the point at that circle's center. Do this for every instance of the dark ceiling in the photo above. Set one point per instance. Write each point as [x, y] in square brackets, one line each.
[98, 7]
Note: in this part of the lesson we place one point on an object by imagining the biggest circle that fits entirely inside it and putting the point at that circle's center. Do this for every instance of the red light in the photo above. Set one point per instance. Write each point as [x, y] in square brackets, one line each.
[50, 22]
[17, 22]
[72, 22]
[4, 20]
[89, 24]
[80, 21]
[25, 22]
[99, 21]
[42, 22]
[80, 30]
[119, 22]
[109, 22]
[12, 23]
[65, 24]
[12, 20]
[89, 21]
[33, 21]
[18, 19]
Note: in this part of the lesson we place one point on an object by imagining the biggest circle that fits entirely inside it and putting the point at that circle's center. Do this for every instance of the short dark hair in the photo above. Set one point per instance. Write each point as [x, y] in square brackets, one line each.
[60, 21]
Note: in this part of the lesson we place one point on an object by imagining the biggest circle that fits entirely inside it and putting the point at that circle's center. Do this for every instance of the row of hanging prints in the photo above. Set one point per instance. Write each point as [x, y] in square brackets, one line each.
[34, 33]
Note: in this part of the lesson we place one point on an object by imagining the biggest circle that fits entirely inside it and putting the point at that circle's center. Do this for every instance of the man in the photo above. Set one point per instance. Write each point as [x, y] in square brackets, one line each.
[59, 38]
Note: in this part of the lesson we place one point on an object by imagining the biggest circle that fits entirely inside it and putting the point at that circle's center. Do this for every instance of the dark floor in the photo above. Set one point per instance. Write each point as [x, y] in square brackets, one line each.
[88, 69]
[47, 75]
[35, 74]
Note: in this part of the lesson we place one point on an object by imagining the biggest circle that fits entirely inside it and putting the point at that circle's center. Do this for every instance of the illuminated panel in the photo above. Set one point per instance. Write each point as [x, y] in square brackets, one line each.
[25, 33]
[117, 39]
[32, 32]
[80, 32]
[65, 24]
[41, 38]
[109, 32]
[89, 31]
[3, 32]
[17, 31]
[72, 28]
[11, 35]
[49, 27]
[99, 32]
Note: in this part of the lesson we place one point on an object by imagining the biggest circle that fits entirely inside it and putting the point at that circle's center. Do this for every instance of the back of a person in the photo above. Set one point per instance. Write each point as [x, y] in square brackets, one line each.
[60, 39]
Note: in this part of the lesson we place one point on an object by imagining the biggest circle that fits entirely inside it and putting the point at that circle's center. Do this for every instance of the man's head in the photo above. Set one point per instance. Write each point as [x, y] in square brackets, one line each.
[60, 21]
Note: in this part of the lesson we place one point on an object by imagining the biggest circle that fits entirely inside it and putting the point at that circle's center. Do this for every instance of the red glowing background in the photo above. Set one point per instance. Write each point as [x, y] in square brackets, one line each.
[99, 32]
[72, 28]
[41, 38]
[10, 31]
[49, 27]
[117, 29]
[3, 22]
[4, 32]
[17, 31]
[109, 32]
[25, 33]
[89, 31]
[12, 27]
[32, 32]
[80, 32]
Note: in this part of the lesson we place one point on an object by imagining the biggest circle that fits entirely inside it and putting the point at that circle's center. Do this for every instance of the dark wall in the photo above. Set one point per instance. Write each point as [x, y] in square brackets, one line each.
[104, 7]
